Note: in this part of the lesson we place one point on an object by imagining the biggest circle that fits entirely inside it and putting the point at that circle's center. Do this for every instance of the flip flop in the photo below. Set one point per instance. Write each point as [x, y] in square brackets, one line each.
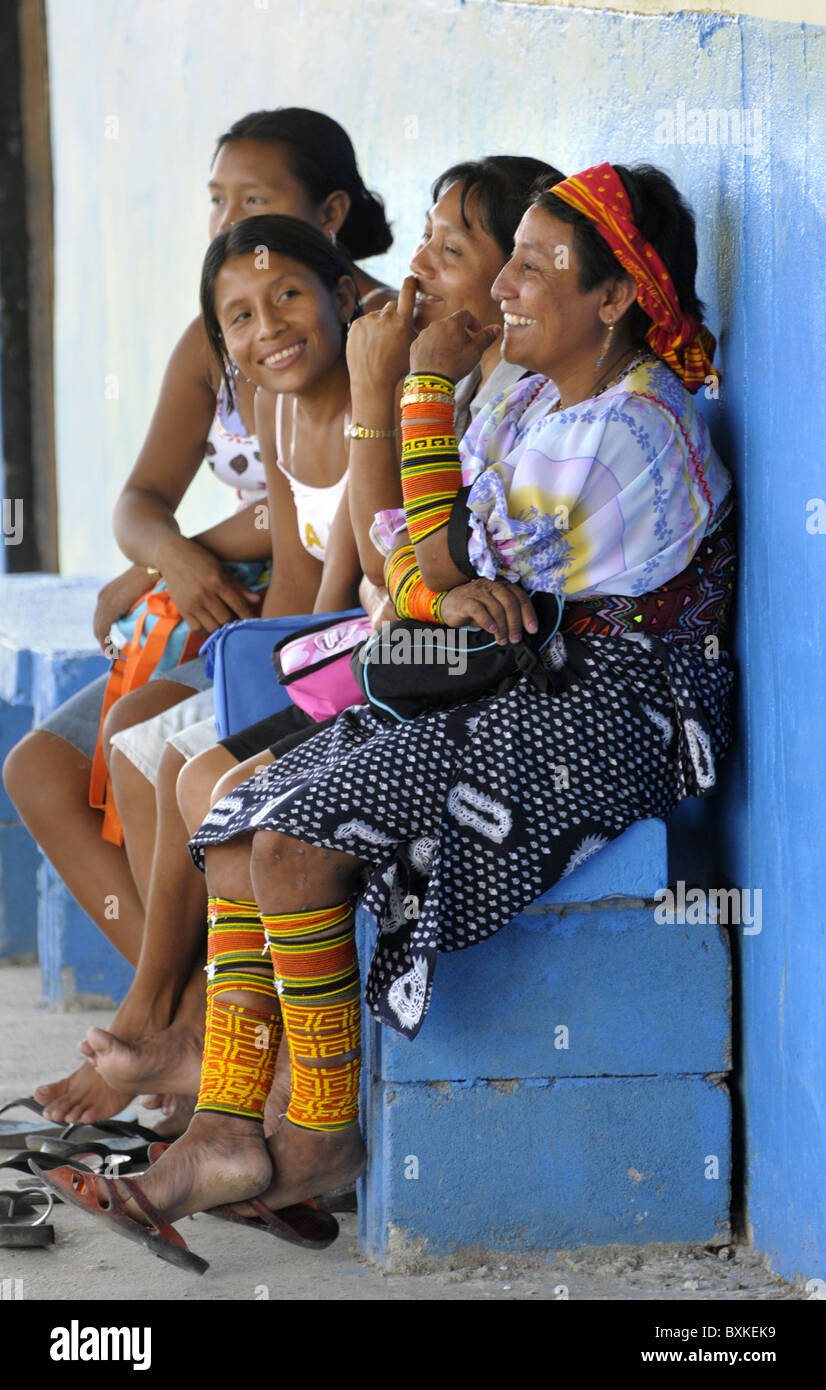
[115, 1160]
[116, 1134]
[13, 1132]
[21, 1162]
[114, 1130]
[303, 1224]
[160, 1238]
[16, 1232]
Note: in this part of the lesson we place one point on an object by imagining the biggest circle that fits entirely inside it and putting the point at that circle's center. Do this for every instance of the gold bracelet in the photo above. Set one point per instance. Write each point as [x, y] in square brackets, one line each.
[362, 432]
[414, 397]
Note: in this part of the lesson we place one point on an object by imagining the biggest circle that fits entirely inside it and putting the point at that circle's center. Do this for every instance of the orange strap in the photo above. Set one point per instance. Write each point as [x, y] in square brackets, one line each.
[132, 668]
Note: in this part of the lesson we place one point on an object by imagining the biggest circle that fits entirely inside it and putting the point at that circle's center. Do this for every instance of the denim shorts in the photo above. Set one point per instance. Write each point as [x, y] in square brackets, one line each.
[77, 720]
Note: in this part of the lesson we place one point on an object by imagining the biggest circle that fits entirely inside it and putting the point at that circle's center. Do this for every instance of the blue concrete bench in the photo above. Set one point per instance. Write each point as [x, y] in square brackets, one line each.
[47, 653]
[568, 1085]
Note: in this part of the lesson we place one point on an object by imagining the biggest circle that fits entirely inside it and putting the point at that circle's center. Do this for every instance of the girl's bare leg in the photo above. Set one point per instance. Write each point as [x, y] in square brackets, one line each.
[156, 1039]
[48, 781]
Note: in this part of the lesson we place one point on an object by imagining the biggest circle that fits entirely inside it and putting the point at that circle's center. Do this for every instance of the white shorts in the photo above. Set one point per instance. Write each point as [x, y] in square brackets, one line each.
[189, 726]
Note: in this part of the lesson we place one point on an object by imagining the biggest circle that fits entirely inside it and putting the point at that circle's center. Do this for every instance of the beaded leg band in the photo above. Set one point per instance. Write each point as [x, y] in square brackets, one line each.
[323, 1026]
[240, 1044]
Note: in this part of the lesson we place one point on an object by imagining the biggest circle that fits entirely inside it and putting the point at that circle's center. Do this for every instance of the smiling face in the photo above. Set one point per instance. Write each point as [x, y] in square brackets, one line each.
[455, 265]
[281, 324]
[551, 326]
[546, 315]
[254, 176]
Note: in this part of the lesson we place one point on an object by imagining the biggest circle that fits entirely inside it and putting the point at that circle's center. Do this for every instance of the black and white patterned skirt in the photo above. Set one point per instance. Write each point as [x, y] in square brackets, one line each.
[468, 814]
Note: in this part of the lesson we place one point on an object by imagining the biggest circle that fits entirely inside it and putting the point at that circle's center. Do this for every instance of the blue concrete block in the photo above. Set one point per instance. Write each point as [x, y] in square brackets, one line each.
[69, 941]
[19, 859]
[636, 998]
[55, 678]
[634, 865]
[541, 1166]
[44, 616]
[15, 721]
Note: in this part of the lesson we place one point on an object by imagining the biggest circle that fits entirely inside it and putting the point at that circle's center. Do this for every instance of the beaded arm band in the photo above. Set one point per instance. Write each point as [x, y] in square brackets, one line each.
[411, 596]
[431, 472]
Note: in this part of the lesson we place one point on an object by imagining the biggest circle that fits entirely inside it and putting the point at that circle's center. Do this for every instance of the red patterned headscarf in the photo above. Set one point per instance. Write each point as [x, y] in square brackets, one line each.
[681, 340]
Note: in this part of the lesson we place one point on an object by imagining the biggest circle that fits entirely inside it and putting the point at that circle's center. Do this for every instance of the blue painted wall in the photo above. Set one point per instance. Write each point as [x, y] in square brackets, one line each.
[419, 86]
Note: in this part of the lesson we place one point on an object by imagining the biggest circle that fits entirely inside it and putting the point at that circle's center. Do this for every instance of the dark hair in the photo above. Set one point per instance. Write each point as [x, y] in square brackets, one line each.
[501, 185]
[664, 219]
[285, 236]
[321, 156]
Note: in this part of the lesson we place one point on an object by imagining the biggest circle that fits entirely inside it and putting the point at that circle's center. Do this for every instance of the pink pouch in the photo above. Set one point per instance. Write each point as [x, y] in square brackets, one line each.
[314, 666]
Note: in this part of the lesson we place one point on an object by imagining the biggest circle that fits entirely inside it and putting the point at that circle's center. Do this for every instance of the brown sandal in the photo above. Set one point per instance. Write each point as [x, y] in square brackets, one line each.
[162, 1239]
[302, 1224]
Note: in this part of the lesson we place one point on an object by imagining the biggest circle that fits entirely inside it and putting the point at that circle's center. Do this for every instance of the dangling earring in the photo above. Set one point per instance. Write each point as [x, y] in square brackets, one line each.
[606, 346]
[333, 237]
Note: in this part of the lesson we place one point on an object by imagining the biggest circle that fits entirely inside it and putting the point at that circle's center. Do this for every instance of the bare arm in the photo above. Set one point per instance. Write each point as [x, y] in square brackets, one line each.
[144, 516]
[144, 522]
[296, 574]
[342, 569]
[243, 536]
[378, 350]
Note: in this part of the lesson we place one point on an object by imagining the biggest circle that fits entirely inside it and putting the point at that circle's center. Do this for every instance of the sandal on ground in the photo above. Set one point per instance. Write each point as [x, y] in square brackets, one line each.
[20, 1162]
[115, 1159]
[13, 1133]
[113, 1129]
[17, 1229]
[118, 1135]
[160, 1238]
[303, 1224]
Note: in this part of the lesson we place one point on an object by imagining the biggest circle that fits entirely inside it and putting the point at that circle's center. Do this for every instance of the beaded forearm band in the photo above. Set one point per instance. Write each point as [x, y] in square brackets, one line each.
[431, 472]
[408, 591]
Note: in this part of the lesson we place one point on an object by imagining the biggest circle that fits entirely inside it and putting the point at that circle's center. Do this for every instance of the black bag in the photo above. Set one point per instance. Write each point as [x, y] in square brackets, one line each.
[410, 666]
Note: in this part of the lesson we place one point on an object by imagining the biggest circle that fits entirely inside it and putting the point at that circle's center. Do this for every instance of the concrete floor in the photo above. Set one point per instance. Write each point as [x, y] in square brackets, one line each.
[88, 1261]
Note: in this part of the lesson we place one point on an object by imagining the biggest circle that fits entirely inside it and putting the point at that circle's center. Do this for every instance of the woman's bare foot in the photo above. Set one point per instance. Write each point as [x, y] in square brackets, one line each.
[309, 1161]
[220, 1159]
[87, 1094]
[83, 1095]
[166, 1062]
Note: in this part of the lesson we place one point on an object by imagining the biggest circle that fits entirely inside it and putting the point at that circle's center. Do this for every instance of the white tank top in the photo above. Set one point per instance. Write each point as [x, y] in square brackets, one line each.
[315, 506]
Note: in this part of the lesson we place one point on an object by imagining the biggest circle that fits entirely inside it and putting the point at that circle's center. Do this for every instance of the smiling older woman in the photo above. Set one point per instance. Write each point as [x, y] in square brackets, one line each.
[594, 480]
